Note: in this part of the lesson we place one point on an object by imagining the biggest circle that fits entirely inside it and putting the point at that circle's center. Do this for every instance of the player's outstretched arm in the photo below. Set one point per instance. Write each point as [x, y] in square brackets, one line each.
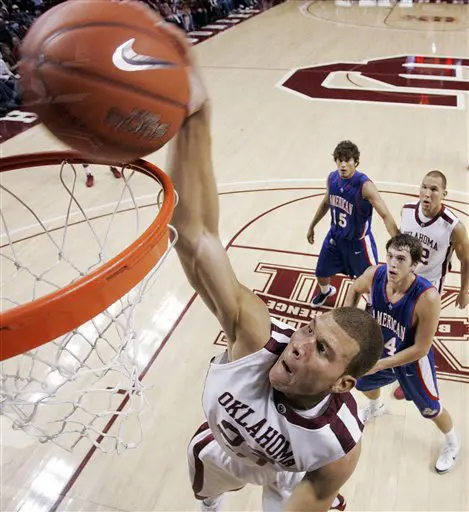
[460, 243]
[317, 490]
[360, 286]
[370, 192]
[242, 315]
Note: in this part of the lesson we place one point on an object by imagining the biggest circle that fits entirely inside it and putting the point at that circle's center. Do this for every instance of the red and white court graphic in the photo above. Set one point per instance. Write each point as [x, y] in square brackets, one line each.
[288, 288]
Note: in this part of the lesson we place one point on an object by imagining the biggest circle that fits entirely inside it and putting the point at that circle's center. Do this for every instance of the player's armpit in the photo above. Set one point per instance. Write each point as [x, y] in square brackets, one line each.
[318, 489]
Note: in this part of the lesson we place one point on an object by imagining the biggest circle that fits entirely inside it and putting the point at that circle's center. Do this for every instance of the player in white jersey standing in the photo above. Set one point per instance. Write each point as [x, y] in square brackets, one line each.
[277, 402]
[441, 233]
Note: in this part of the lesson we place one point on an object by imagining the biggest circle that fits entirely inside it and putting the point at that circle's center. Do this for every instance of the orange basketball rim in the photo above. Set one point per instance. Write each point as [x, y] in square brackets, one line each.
[39, 321]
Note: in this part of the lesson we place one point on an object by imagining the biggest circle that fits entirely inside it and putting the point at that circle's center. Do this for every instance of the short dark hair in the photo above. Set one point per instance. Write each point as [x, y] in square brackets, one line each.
[364, 329]
[346, 150]
[405, 241]
[437, 174]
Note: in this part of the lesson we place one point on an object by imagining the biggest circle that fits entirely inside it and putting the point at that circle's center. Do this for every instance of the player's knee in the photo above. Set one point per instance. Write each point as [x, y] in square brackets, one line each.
[431, 412]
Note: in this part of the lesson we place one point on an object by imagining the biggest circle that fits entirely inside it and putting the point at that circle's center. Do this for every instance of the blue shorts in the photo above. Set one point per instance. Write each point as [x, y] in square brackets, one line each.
[350, 258]
[417, 380]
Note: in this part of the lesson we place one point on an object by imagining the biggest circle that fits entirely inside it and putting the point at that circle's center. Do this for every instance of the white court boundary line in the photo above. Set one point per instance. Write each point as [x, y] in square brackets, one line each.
[304, 10]
[228, 185]
[323, 180]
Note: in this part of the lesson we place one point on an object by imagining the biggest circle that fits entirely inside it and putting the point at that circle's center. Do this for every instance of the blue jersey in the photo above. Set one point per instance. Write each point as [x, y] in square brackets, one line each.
[396, 319]
[350, 213]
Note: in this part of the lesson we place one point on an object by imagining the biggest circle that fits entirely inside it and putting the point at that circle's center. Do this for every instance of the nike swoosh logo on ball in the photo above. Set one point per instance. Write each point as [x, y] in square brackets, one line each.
[125, 58]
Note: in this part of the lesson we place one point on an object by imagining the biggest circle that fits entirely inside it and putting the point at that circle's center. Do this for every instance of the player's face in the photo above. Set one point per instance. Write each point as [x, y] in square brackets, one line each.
[315, 360]
[399, 264]
[432, 194]
[346, 168]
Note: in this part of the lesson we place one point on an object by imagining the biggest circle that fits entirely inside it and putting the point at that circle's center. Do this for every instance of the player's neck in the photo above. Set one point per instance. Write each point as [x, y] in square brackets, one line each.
[400, 287]
[431, 213]
[305, 403]
[348, 177]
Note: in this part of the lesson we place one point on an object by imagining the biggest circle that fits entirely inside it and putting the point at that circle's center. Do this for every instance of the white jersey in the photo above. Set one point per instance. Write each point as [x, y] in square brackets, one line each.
[435, 235]
[254, 424]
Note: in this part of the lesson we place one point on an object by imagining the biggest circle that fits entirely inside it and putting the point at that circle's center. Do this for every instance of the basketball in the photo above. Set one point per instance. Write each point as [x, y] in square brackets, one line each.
[105, 78]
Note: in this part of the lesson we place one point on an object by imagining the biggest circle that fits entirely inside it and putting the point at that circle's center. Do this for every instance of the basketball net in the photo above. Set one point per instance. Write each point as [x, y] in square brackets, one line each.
[85, 385]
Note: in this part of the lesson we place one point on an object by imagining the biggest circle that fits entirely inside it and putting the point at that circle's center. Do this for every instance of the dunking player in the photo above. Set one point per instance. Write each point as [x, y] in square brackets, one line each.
[407, 307]
[277, 402]
[441, 233]
[349, 247]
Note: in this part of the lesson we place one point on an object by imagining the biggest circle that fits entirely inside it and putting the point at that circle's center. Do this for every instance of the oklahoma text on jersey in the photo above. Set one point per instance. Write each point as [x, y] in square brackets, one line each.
[426, 240]
[272, 442]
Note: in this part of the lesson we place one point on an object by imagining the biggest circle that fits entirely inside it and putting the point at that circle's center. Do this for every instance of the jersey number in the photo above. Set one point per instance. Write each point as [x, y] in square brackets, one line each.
[339, 219]
[390, 346]
[425, 256]
[234, 438]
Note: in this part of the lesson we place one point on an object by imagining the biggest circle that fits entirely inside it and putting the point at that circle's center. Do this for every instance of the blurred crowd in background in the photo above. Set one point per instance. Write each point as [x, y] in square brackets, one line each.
[17, 16]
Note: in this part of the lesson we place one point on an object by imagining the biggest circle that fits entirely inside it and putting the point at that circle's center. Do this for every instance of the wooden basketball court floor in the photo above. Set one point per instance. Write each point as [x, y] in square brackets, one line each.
[395, 80]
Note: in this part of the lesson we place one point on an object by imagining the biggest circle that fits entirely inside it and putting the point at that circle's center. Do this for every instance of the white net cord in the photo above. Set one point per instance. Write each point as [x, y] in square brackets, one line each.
[84, 386]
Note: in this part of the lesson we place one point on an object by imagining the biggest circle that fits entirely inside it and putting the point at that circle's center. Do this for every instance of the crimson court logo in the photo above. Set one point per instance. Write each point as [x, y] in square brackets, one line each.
[288, 292]
[412, 80]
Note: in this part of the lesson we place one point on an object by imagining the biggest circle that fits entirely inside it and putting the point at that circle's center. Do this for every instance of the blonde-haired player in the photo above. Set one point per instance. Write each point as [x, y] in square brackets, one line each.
[441, 233]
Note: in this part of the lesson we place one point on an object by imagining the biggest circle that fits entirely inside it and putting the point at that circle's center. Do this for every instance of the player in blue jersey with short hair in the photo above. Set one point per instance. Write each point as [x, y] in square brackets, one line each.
[407, 307]
[349, 247]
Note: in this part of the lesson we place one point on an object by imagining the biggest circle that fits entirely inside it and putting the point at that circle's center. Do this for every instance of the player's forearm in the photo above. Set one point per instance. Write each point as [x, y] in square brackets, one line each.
[390, 225]
[304, 499]
[465, 274]
[406, 356]
[352, 298]
[190, 168]
[320, 213]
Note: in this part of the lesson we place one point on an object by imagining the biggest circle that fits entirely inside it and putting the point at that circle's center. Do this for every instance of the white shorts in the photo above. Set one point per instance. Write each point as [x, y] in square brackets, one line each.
[213, 472]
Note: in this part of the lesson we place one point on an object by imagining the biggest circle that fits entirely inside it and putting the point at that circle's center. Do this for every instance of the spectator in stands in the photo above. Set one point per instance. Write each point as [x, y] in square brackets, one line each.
[17, 17]
[9, 97]
[6, 40]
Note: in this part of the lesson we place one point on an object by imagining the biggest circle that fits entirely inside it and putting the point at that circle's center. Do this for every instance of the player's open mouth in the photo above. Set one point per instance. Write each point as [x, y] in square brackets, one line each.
[392, 273]
[287, 369]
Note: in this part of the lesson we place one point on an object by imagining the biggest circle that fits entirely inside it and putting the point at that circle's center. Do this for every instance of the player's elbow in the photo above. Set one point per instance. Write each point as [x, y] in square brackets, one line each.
[421, 350]
[189, 248]
[191, 237]
[463, 257]
[187, 243]
[304, 499]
